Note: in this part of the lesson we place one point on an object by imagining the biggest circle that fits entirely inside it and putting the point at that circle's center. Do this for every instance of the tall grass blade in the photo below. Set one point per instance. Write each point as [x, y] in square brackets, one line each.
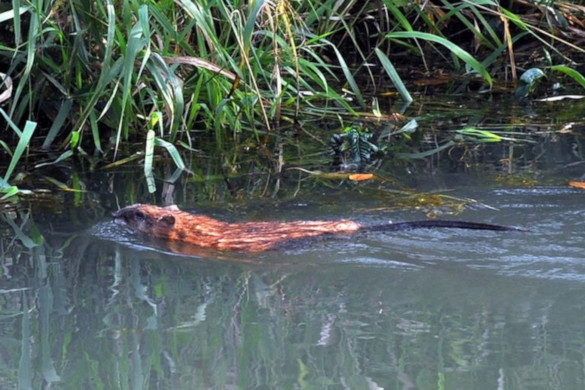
[95, 131]
[23, 142]
[110, 71]
[172, 150]
[400, 17]
[169, 86]
[11, 124]
[574, 74]
[348, 76]
[31, 49]
[456, 50]
[394, 77]
[63, 114]
[251, 23]
[136, 43]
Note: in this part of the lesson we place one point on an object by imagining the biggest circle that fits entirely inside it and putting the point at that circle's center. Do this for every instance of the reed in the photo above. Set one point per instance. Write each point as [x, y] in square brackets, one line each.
[91, 75]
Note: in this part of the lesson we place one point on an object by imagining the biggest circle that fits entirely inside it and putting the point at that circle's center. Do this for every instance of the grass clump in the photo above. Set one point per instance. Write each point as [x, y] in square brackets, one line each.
[95, 76]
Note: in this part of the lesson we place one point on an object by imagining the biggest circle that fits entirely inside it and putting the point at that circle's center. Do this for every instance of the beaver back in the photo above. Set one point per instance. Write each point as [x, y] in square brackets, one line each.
[170, 223]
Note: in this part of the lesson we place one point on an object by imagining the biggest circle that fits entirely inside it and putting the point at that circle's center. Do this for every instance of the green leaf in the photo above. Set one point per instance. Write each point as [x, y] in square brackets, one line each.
[74, 139]
[348, 76]
[479, 135]
[65, 155]
[64, 113]
[23, 142]
[575, 75]
[148, 158]
[9, 192]
[172, 151]
[394, 77]
[251, 23]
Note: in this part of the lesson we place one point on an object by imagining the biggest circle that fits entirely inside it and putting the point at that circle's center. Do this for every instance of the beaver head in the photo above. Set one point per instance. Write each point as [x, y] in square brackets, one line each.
[146, 218]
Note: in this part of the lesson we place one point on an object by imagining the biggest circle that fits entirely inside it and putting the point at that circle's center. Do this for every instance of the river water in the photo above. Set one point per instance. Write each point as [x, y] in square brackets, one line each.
[96, 307]
[421, 309]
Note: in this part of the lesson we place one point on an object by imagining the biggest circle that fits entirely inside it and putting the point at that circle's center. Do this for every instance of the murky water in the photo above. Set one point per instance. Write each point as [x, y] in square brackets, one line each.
[424, 309]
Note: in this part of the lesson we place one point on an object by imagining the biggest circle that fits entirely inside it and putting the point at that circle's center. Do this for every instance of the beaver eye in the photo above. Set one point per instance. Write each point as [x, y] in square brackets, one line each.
[139, 216]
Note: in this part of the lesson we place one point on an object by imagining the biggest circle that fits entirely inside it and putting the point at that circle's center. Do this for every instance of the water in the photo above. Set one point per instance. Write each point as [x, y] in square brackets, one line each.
[94, 307]
[424, 309]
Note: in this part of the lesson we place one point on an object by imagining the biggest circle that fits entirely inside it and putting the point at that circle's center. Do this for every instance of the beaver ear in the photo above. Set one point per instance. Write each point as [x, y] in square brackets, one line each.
[167, 219]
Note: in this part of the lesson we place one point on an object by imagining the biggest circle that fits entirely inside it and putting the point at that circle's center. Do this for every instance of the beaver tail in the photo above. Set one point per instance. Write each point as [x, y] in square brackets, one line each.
[438, 223]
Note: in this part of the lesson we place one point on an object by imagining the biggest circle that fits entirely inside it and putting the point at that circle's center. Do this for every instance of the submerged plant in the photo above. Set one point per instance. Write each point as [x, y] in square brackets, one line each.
[528, 82]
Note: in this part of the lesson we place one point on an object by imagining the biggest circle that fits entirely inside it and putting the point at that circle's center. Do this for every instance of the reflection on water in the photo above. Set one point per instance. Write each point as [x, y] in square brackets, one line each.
[424, 309]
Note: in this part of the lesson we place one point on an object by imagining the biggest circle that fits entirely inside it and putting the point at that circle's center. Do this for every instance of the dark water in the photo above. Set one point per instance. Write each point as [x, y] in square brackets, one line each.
[424, 309]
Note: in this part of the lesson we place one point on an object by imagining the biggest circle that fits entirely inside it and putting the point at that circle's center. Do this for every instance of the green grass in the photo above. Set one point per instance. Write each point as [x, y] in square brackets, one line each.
[91, 76]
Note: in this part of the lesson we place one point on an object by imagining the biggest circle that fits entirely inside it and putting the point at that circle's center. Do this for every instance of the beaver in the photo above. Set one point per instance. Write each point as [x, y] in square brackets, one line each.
[173, 225]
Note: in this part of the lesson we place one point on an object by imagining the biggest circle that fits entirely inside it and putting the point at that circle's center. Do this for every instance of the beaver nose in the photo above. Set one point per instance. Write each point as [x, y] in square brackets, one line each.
[119, 216]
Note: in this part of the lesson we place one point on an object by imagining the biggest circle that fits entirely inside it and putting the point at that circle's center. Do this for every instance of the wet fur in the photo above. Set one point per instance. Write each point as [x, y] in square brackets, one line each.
[173, 225]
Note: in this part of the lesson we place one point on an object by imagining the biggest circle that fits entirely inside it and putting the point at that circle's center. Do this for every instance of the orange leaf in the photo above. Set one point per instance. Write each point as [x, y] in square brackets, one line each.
[361, 176]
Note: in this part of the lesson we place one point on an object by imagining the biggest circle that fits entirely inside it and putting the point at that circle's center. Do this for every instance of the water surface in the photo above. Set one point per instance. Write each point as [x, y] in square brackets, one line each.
[423, 309]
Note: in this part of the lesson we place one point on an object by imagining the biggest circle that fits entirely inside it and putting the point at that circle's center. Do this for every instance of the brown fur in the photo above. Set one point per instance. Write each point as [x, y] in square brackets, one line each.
[178, 229]
[172, 224]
